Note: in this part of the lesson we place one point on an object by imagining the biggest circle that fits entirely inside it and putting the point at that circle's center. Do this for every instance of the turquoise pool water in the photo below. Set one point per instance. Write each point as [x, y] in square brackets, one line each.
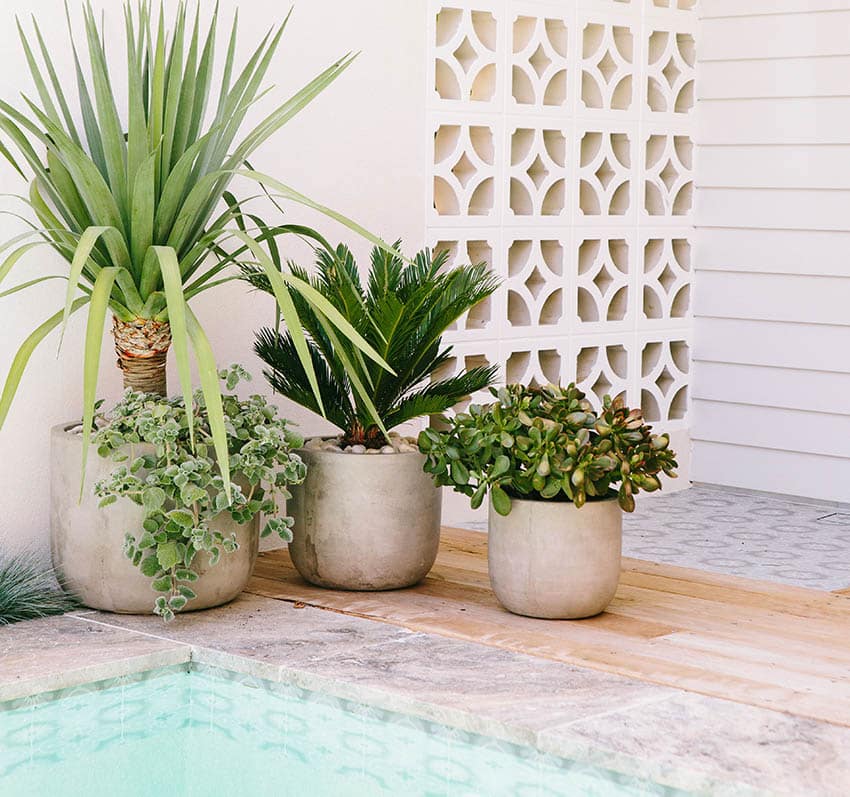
[204, 734]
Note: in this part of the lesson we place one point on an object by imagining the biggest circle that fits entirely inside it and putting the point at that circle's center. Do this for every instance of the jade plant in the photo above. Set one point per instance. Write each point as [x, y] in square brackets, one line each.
[402, 312]
[547, 443]
[181, 486]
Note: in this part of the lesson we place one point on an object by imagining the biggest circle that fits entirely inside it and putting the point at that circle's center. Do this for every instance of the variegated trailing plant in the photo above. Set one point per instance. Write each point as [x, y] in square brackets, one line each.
[180, 487]
[139, 206]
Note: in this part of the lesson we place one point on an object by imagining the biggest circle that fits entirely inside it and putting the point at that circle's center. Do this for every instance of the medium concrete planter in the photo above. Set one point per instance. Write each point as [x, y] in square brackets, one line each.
[365, 522]
[548, 559]
[87, 543]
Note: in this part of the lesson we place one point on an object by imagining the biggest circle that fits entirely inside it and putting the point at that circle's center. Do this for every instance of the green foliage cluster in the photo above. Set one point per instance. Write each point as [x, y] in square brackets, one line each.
[136, 198]
[402, 312]
[549, 444]
[181, 487]
[28, 589]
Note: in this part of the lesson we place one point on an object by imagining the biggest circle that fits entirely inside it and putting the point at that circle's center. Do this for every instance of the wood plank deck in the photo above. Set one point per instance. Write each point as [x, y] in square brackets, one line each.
[755, 642]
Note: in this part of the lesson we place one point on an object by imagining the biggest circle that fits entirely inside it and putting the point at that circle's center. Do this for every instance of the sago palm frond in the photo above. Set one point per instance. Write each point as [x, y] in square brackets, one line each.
[403, 311]
[132, 198]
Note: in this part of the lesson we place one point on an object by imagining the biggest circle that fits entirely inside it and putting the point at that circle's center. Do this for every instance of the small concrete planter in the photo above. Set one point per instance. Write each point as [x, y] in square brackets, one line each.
[548, 559]
[365, 522]
[87, 543]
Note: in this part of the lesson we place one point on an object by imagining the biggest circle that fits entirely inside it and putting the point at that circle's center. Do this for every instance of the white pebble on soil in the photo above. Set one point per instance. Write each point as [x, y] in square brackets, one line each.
[397, 445]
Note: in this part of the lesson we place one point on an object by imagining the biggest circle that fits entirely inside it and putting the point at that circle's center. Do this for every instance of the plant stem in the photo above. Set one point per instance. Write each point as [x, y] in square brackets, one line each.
[142, 347]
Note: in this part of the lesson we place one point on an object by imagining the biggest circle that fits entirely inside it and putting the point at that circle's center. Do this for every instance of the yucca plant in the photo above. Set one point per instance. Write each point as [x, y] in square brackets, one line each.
[138, 205]
[402, 312]
[28, 589]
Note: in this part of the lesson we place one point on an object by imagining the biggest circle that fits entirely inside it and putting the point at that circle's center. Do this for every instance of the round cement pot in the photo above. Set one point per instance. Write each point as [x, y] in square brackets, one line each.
[548, 559]
[365, 522]
[87, 543]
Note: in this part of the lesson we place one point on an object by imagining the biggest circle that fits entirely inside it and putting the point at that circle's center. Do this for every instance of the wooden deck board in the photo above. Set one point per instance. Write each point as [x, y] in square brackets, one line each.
[763, 644]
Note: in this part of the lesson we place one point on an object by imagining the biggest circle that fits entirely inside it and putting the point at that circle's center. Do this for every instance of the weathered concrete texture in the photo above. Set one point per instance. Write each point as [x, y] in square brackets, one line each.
[771, 752]
[551, 560]
[58, 652]
[365, 523]
[87, 542]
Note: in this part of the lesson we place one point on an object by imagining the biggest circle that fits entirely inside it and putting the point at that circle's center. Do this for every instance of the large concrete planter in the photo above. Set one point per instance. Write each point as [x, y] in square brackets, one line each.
[365, 522]
[87, 543]
[548, 559]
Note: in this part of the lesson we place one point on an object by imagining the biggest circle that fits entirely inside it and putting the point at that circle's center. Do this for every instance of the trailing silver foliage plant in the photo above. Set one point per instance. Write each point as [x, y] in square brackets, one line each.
[181, 487]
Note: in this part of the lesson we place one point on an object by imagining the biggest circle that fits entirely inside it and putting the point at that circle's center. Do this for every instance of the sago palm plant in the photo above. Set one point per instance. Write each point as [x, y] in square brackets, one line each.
[402, 312]
[138, 205]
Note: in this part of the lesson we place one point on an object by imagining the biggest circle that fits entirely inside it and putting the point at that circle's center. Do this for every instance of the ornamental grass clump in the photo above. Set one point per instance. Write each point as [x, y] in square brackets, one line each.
[28, 589]
[402, 312]
[181, 487]
[548, 444]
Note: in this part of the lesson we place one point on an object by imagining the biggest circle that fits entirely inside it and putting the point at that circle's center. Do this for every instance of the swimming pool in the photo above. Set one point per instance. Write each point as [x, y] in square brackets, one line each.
[173, 733]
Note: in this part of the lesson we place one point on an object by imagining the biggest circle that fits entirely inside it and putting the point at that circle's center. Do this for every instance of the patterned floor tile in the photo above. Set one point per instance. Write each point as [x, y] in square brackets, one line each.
[749, 534]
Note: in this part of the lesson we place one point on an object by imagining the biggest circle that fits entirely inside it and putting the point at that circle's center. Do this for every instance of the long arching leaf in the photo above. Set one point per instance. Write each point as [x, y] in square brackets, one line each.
[287, 308]
[167, 260]
[22, 357]
[290, 193]
[87, 242]
[91, 358]
[23, 286]
[210, 387]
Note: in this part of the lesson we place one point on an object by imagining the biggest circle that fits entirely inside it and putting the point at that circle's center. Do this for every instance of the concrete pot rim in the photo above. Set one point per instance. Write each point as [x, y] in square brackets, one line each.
[548, 502]
[65, 428]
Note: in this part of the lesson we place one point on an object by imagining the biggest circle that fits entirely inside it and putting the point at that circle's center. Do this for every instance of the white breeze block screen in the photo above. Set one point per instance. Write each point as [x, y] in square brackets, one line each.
[561, 154]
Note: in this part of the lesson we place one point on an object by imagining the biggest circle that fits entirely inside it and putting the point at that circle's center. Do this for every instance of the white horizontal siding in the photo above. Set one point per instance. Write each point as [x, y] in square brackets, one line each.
[774, 297]
[777, 344]
[811, 35]
[774, 428]
[789, 77]
[773, 251]
[766, 386]
[788, 166]
[731, 8]
[770, 209]
[790, 120]
[790, 473]
[771, 391]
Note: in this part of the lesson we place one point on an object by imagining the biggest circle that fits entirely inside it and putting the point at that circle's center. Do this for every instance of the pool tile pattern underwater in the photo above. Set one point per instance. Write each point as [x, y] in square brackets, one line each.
[286, 741]
[741, 533]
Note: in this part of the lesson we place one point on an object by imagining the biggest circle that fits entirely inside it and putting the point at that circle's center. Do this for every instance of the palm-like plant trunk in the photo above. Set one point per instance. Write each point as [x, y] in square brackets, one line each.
[142, 348]
[358, 435]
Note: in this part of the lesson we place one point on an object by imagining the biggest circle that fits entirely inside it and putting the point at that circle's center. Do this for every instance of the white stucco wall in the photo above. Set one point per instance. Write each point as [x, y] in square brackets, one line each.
[358, 149]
